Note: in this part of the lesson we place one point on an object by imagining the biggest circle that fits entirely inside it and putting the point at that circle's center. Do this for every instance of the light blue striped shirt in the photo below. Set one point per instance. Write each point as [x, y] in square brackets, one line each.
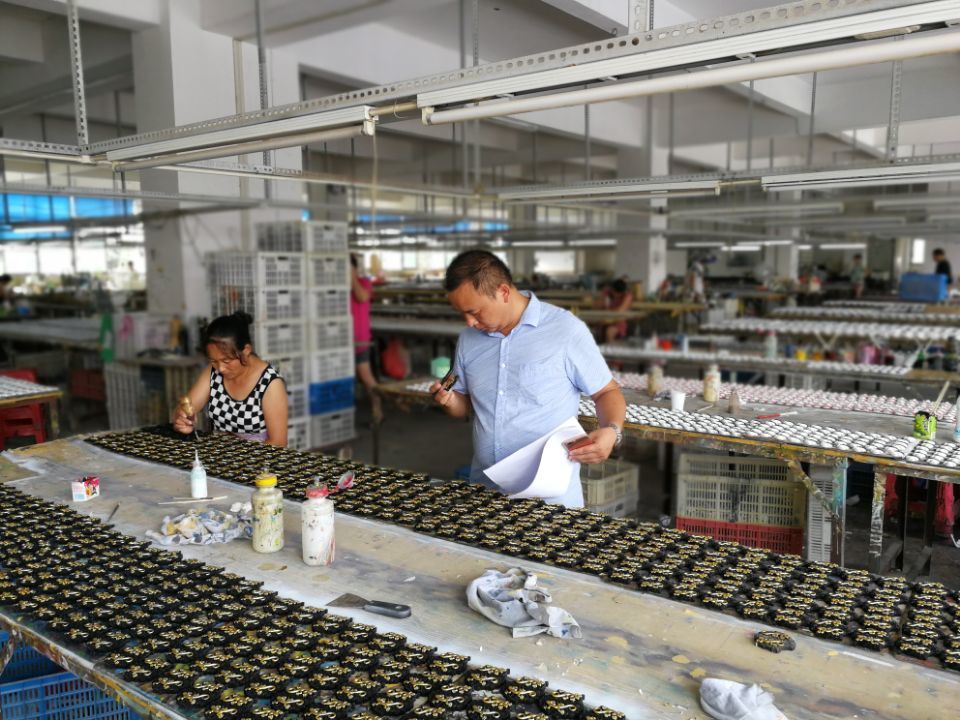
[524, 385]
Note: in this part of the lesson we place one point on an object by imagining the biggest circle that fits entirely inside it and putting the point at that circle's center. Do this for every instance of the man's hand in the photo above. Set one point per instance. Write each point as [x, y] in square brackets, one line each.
[440, 396]
[453, 403]
[599, 450]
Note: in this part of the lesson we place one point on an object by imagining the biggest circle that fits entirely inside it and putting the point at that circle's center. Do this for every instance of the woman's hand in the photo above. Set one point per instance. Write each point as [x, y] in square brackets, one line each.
[182, 422]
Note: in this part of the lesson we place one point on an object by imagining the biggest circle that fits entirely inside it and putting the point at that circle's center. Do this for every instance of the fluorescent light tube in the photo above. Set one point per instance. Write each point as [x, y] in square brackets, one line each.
[580, 70]
[804, 247]
[653, 187]
[699, 245]
[810, 208]
[863, 177]
[29, 230]
[593, 243]
[247, 133]
[842, 246]
[537, 243]
[743, 248]
[859, 54]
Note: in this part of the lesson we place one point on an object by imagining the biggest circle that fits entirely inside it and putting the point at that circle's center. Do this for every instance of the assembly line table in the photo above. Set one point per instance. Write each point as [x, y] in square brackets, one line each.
[399, 393]
[15, 393]
[640, 654]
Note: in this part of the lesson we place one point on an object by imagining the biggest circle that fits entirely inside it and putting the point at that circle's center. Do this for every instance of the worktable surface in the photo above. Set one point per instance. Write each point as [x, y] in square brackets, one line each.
[640, 654]
[80, 333]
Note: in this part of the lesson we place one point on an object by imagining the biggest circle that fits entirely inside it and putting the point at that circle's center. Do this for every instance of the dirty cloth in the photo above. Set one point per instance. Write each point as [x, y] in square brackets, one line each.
[729, 700]
[202, 527]
[512, 599]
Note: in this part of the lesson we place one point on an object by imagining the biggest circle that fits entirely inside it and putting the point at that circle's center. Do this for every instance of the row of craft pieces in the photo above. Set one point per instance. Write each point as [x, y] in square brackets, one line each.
[822, 599]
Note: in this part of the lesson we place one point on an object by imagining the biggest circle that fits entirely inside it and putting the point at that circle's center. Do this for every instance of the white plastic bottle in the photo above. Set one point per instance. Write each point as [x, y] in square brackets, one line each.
[267, 502]
[770, 346]
[198, 478]
[711, 384]
[317, 531]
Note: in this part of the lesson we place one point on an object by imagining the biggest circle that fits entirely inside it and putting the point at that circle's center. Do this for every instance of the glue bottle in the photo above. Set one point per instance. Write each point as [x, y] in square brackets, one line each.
[267, 501]
[317, 531]
[198, 478]
[711, 384]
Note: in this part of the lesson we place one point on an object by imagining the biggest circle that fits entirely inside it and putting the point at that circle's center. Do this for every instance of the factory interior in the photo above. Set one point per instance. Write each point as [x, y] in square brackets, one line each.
[479, 359]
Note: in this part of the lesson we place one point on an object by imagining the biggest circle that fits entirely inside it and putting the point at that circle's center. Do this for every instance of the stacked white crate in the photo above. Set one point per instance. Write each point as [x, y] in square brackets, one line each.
[270, 285]
[330, 332]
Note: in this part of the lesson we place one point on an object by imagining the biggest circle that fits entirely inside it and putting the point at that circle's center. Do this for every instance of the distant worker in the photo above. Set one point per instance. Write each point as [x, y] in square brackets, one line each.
[858, 276]
[943, 266]
[616, 297]
[693, 281]
[361, 294]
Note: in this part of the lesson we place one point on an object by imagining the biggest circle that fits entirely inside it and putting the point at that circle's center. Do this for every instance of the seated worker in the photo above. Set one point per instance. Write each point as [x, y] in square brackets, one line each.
[235, 372]
[619, 298]
[521, 366]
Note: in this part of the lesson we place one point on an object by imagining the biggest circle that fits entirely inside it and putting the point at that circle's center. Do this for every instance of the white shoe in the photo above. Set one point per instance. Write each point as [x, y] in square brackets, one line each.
[954, 540]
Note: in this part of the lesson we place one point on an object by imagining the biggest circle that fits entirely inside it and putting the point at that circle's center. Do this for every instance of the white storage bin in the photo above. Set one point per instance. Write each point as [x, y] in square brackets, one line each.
[293, 368]
[278, 339]
[282, 237]
[256, 269]
[328, 302]
[299, 401]
[332, 428]
[331, 365]
[263, 305]
[327, 237]
[333, 334]
[298, 434]
[330, 270]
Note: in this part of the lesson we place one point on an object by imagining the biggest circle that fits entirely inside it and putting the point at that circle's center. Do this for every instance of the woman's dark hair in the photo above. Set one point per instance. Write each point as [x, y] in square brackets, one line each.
[230, 333]
[481, 268]
[5, 279]
[353, 259]
[619, 285]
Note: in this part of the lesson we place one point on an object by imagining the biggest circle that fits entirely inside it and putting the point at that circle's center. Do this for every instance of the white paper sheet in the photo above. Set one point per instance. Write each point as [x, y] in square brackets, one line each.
[540, 469]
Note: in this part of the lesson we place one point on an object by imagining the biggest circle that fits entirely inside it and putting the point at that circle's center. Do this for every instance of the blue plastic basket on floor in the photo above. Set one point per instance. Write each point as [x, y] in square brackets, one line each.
[26, 663]
[62, 696]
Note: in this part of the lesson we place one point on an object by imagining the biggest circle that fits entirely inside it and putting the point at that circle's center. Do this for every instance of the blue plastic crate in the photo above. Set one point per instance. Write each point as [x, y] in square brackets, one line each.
[923, 287]
[62, 696]
[331, 396]
[26, 663]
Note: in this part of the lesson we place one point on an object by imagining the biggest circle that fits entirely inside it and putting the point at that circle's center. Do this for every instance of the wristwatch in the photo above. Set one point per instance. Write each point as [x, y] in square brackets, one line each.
[619, 432]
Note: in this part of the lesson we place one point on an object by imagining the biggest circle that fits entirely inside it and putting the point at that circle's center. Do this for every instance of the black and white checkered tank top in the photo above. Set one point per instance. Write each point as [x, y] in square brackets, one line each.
[244, 417]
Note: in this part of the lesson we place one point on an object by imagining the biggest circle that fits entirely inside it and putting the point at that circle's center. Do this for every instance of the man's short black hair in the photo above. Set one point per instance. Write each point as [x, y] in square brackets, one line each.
[939, 252]
[481, 268]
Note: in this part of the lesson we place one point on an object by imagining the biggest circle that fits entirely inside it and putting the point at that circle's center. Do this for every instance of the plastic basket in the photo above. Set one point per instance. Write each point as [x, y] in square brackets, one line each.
[331, 365]
[283, 237]
[333, 269]
[124, 389]
[292, 368]
[261, 270]
[275, 339]
[767, 537]
[326, 237]
[62, 696]
[332, 428]
[739, 489]
[328, 302]
[331, 395]
[332, 334]
[263, 305]
[298, 434]
[923, 287]
[609, 482]
[298, 403]
[26, 663]
[620, 507]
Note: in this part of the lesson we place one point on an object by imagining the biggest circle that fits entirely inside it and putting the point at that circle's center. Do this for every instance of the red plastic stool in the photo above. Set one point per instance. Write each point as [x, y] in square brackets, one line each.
[26, 420]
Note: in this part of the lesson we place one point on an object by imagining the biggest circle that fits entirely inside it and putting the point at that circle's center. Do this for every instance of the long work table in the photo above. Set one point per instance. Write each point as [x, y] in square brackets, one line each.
[641, 654]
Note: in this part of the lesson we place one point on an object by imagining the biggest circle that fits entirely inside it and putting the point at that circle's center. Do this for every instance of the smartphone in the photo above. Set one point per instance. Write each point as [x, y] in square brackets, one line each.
[448, 381]
[578, 442]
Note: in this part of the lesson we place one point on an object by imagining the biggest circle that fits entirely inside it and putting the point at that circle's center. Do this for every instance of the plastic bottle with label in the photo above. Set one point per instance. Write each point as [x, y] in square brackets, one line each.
[198, 478]
[317, 529]
[267, 502]
[711, 384]
[770, 345]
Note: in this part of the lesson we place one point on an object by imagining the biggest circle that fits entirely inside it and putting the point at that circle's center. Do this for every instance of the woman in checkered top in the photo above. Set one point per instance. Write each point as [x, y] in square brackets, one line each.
[235, 372]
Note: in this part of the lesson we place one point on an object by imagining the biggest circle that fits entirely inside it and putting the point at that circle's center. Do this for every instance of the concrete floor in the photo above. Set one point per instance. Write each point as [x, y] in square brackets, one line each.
[428, 441]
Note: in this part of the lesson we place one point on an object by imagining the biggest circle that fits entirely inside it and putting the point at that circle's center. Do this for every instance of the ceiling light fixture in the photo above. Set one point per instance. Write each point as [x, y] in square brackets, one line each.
[699, 245]
[863, 177]
[760, 210]
[610, 242]
[31, 229]
[842, 246]
[652, 188]
[743, 248]
[862, 53]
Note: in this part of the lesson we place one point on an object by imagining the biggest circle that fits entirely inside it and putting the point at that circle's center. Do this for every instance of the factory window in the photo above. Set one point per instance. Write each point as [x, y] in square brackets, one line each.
[555, 262]
[918, 251]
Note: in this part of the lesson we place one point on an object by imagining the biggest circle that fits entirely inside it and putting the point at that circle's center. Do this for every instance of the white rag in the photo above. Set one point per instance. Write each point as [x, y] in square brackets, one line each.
[512, 599]
[205, 527]
[729, 700]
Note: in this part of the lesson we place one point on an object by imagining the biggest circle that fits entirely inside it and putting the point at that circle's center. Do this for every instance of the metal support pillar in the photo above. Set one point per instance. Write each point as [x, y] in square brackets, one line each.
[812, 126]
[876, 520]
[262, 74]
[76, 74]
[896, 96]
[839, 515]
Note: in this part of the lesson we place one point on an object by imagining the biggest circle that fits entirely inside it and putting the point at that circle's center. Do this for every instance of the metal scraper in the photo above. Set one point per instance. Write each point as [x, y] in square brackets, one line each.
[395, 610]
